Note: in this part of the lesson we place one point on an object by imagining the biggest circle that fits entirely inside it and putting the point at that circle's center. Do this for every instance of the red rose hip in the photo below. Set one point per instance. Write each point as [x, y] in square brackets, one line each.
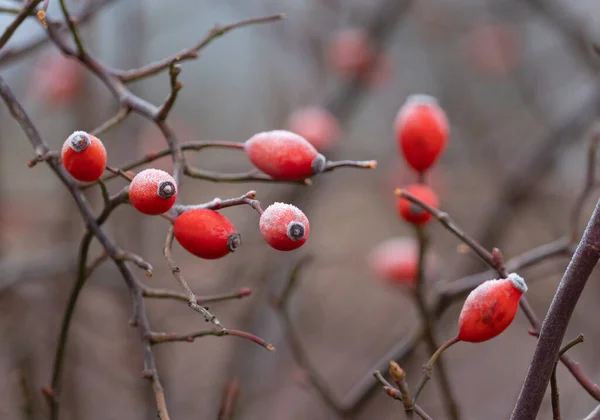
[490, 308]
[395, 260]
[206, 233]
[317, 125]
[152, 192]
[422, 130]
[411, 212]
[84, 156]
[284, 226]
[284, 155]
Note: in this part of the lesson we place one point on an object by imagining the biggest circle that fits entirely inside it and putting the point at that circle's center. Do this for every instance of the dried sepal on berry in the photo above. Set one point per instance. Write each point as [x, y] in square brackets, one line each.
[84, 156]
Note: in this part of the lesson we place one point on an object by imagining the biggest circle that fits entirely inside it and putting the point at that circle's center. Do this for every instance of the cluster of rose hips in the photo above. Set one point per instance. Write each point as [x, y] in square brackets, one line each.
[422, 129]
[206, 233]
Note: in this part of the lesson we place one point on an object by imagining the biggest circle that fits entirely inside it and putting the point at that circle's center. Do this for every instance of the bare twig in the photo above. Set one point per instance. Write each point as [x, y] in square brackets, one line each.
[219, 331]
[589, 183]
[176, 271]
[556, 321]
[217, 203]
[553, 381]
[176, 86]
[153, 293]
[281, 305]
[397, 394]
[112, 122]
[26, 11]
[128, 76]
[432, 345]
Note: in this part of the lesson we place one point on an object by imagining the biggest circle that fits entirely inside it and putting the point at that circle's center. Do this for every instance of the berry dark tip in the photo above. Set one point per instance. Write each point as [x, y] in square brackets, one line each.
[166, 189]
[80, 142]
[234, 241]
[295, 231]
[318, 164]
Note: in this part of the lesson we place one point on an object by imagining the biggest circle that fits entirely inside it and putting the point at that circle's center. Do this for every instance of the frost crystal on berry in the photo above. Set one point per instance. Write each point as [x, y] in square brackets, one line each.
[518, 282]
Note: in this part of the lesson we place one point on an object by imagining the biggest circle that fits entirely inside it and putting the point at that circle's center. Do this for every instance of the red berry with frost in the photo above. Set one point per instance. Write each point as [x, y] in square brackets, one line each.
[152, 192]
[284, 155]
[413, 213]
[206, 233]
[317, 125]
[84, 156]
[422, 130]
[284, 226]
[490, 308]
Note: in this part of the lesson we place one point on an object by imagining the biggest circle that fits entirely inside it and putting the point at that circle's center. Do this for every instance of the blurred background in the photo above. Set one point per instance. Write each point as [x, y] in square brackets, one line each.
[518, 81]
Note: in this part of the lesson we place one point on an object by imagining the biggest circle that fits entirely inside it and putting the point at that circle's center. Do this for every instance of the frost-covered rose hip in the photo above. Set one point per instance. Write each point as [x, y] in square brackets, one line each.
[490, 308]
[152, 192]
[206, 233]
[317, 125]
[284, 155]
[84, 156]
[422, 130]
[411, 212]
[284, 226]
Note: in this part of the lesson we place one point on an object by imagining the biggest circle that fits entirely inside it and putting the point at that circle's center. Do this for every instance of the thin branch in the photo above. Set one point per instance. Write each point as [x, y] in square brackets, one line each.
[151, 157]
[153, 293]
[176, 86]
[128, 76]
[112, 122]
[33, 43]
[556, 321]
[158, 338]
[217, 203]
[397, 395]
[281, 306]
[432, 345]
[176, 271]
[589, 183]
[553, 381]
[19, 19]
[256, 175]
[73, 29]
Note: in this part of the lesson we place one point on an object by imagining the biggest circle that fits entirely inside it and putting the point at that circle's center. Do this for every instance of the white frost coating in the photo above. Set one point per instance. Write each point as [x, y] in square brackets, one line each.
[518, 282]
[278, 138]
[151, 177]
[476, 300]
[273, 216]
[69, 142]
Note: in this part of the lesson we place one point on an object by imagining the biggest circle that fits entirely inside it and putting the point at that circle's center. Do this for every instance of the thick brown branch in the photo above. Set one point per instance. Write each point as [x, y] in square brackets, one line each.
[557, 319]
